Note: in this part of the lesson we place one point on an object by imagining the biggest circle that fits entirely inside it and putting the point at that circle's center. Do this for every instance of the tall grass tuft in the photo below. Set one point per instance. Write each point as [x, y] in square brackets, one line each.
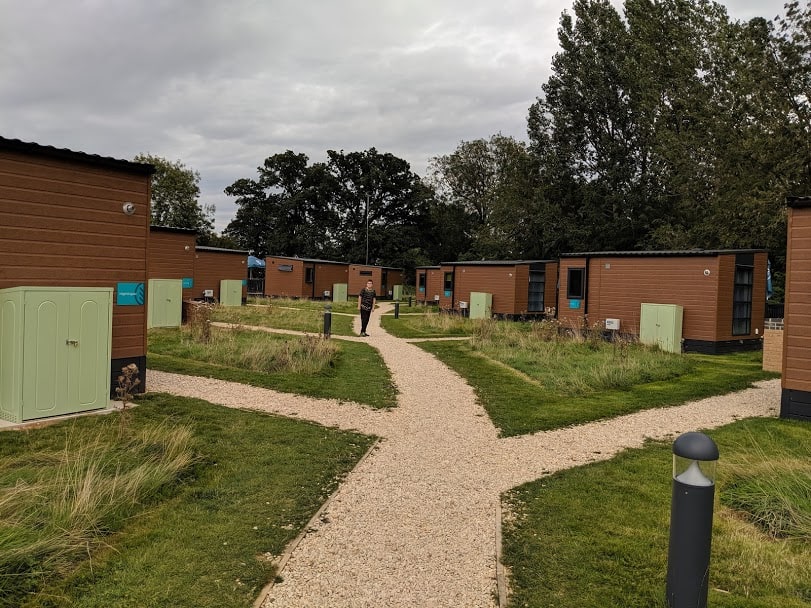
[772, 492]
[260, 352]
[574, 363]
[54, 519]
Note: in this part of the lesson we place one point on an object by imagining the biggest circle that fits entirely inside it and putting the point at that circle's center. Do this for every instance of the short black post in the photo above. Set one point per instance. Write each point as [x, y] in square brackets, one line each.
[397, 310]
[688, 561]
[409, 301]
[327, 320]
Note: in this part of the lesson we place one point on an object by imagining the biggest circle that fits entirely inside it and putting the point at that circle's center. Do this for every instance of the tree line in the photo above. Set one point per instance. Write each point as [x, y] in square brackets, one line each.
[669, 126]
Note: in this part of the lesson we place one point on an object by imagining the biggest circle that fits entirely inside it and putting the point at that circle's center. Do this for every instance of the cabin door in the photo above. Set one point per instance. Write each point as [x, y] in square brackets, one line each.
[537, 284]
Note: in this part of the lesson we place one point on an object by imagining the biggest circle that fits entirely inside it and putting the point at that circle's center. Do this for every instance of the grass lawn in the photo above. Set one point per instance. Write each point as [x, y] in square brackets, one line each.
[597, 535]
[297, 315]
[427, 324]
[519, 403]
[200, 540]
[353, 372]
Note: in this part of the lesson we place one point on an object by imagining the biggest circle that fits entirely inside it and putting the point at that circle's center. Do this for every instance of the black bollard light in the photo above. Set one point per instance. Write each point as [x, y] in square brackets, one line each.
[695, 457]
[327, 320]
[397, 310]
[409, 301]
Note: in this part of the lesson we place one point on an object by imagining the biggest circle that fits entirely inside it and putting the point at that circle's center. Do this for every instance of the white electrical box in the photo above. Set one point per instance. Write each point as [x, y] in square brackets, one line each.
[462, 305]
[612, 324]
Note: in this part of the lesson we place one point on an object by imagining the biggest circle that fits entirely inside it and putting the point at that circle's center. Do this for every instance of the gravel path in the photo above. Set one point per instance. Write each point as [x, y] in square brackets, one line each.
[415, 523]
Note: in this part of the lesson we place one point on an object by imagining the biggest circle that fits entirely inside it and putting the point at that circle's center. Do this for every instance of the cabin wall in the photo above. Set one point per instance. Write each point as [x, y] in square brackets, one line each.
[211, 267]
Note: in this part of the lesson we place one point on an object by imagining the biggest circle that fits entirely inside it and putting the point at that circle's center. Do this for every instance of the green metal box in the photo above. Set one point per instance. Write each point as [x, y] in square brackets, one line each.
[481, 305]
[165, 303]
[231, 292]
[661, 324]
[55, 345]
[397, 293]
[339, 291]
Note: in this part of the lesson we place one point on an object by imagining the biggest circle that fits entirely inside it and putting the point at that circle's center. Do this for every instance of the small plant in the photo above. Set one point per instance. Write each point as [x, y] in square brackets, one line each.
[199, 321]
[128, 380]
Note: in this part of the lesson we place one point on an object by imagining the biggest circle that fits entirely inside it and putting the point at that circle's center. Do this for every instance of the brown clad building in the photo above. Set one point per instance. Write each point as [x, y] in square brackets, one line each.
[796, 382]
[291, 277]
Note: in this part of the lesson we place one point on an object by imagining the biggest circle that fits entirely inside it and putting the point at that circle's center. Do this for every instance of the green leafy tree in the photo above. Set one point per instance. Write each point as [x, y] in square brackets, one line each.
[175, 196]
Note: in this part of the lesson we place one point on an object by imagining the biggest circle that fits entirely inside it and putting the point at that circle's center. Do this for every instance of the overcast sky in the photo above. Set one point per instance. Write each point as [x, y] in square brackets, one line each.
[222, 84]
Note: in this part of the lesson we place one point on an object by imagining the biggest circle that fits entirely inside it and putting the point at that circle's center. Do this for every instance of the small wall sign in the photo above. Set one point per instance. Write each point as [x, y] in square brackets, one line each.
[130, 294]
[188, 282]
[574, 304]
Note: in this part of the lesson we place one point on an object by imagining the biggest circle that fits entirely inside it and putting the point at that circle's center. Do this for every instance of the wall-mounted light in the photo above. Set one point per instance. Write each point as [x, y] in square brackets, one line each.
[128, 208]
[706, 272]
[186, 248]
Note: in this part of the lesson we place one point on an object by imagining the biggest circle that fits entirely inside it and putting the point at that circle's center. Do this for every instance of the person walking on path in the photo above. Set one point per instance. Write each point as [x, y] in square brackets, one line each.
[366, 303]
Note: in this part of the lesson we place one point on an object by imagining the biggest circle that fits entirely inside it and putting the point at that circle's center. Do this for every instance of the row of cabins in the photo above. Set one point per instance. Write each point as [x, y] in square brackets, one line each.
[78, 255]
[293, 277]
[720, 295]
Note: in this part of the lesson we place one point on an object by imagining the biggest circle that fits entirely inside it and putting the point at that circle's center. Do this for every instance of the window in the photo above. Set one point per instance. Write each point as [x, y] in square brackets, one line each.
[575, 283]
[309, 273]
[421, 282]
[448, 282]
[537, 282]
[365, 273]
[742, 301]
[285, 268]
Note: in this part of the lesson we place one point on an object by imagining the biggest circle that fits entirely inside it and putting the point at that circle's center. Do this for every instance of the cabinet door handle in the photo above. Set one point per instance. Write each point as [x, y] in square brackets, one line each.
[72, 342]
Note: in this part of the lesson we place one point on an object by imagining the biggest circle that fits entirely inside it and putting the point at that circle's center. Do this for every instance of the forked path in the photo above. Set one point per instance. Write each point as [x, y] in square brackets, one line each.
[414, 524]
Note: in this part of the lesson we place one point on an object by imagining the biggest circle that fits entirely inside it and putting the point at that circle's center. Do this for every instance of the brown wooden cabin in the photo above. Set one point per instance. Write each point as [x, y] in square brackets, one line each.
[722, 292]
[384, 278]
[287, 277]
[71, 219]
[429, 284]
[796, 382]
[519, 287]
[172, 256]
[214, 264]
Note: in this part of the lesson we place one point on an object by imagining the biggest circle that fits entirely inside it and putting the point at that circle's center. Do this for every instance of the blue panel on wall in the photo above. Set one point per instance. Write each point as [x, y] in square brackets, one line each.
[447, 293]
[130, 294]
[188, 282]
[244, 282]
[422, 289]
[574, 303]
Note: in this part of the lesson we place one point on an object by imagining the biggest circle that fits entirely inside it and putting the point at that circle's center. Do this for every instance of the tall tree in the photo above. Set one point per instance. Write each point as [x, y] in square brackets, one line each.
[328, 209]
[175, 196]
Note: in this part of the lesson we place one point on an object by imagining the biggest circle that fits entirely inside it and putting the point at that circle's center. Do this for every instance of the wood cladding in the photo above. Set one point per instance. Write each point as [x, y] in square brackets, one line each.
[797, 333]
[214, 265]
[171, 256]
[704, 285]
[292, 280]
[62, 225]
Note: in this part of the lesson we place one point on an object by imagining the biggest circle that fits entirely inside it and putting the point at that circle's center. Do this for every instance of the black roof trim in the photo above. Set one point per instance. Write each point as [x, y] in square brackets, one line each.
[221, 250]
[16, 145]
[426, 267]
[314, 260]
[661, 254]
[496, 262]
[797, 202]
[173, 229]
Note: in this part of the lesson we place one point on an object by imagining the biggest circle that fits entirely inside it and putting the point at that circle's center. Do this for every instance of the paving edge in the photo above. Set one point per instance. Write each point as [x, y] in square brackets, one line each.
[282, 560]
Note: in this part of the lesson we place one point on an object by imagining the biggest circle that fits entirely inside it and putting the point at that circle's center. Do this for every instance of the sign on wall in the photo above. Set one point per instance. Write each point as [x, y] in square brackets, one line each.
[129, 294]
[188, 282]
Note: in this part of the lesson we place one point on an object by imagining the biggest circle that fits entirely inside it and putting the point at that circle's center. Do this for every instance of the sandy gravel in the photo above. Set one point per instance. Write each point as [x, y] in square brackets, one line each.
[415, 523]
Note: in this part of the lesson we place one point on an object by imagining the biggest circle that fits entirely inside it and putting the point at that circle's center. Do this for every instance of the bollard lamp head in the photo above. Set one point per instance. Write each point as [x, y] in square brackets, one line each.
[695, 459]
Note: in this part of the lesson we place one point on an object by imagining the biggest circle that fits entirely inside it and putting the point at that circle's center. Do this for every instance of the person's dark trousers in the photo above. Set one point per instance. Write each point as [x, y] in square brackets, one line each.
[364, 320]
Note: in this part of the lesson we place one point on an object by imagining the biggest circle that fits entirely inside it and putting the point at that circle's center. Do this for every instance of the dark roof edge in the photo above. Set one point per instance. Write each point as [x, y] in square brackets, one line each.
[314, 260]
[23, 147]
[221, 250]
[797, 202]
[661, 254]
[496, 262]
[173, 229]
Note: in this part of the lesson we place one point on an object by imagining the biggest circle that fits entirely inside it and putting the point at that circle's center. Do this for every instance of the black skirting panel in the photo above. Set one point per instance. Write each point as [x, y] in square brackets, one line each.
[795, 404]
[720, 348]
[115, 372]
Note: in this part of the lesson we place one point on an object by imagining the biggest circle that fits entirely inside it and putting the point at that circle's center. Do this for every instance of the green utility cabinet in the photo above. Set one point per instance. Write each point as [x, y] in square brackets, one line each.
[481, 305]
[165, 303]
[55, 347]
[397, 293]
[231, 292]
[339, 291]
[661, 324]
